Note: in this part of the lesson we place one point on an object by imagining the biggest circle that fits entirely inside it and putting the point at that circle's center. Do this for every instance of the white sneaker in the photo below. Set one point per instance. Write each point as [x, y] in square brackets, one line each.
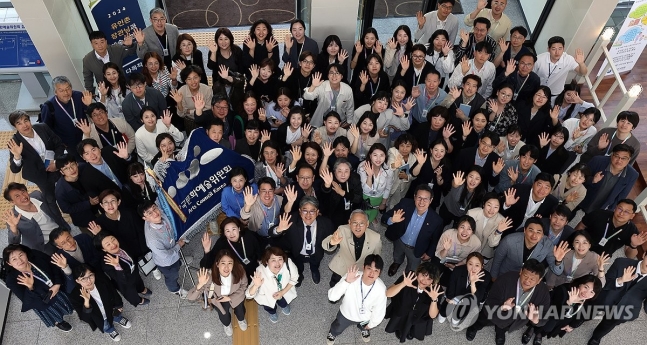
[242, 325]
[125, 323]
[114, 335]
[182, 293]
[188, 260]
[441, 319]
[229, 330]
[157, 274]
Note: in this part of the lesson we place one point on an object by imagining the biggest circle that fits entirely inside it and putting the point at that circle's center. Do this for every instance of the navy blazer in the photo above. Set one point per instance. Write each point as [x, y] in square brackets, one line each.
[566, 232]
[75, 202]
[517, 211]
[109, 297]
[294, 235]
[465, 161]
[89, 252]
[619, 191]
[33, 299]
[429, 233]
[458, 284]
[33, 167]
[29, 232]
[634, 296]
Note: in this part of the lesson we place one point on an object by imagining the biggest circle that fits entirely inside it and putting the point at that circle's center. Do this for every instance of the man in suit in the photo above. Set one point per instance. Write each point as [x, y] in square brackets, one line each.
[355, 240]
[625, 290]
[63, 111]
[306, 186]
[30, 220]
[484, 156]
[34, 148]
[101, 54]
[71, 196]
[304, 236]
[414, 230]
[556, 227]
[141, 96]
[611, 230]
[523, 201]
[515, 300]
[97, 302]
[160, 37]
[519, 247]
[612, 179]
[524, 81]
[74, 251]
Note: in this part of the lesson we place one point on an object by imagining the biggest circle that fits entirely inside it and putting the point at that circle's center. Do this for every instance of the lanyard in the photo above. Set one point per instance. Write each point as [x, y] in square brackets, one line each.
[269, 208]
[167, 232]
[613, 137]
[417, 81]
[522, 84]
[361, 291]
[605, 232]
[430, 102]
[47, 281]
[550, 72]
[366, 55]
[377, 87]
[525, 299]
[114, 140]
[123, 256]
[74, 119]
[242, 242]
[160, 42]
[137, 101]
[270, 173]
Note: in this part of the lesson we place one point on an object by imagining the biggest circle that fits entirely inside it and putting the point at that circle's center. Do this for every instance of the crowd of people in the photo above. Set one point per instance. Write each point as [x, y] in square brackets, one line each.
[472, 151]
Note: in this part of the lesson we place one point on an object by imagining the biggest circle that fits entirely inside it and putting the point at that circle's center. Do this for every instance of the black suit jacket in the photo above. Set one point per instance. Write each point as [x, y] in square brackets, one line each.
[430, 232]
[33, 299]
[458, 284]
[294, 235]
[628, 295]
[89, 252]
[109, 297]
[94, 181]
[566, 232]
[32, 167]
[517, 211]
[465, 161]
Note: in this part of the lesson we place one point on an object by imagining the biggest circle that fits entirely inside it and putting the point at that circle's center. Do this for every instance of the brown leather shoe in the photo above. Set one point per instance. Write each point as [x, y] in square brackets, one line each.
[393, 269]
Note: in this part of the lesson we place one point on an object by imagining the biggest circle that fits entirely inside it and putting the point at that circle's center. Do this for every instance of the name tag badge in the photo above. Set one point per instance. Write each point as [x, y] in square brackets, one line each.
[269, 226]
[362, 310]
[308, 246]
[346, 205]
[333, 108]
[424, 114]
[603, 242]
[514, 97]
[246, 261]
[301, 101]
[569, 278]
[166, 52]
[517, 309]
[431, 185]
[462, 208]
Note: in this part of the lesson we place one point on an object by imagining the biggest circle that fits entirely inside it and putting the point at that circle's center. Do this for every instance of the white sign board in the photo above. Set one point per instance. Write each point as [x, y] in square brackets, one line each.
[631, 39]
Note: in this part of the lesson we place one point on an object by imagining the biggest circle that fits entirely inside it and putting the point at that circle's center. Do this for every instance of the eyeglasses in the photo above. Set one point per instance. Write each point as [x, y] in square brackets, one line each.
[334, 74]
[108, 202]
[137, 86]
[218, 107]
[360, 224]
[621, 158]
[308, 212]
[158, 20]
[418, 56]
[308, 62]
[505, 95]
[69, 166]
[525, 64]
[486, 144]
[518, 37]
[446, 7]
[419, 198]
[88, 278]
[150, 211]
[305, 178]
[623, 211]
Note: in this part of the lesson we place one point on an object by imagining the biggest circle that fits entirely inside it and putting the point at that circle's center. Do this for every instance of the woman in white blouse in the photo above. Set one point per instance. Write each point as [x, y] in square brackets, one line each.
[113, 90]
[363, 135]
[331, 94]
[274, 282]
[441, 55]
[397, 47]
[225, 289]
[377, 179]
[379, 109]
[490, 224]
[185, 96]
[146, 134]
[401, 159]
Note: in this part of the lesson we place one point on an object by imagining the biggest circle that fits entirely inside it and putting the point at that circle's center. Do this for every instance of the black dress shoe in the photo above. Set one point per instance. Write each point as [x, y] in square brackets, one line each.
[470, 334]
[316, 277]
[527, 335]
[64, 326]
[299, 281]
[593, 342]
[393, 269]
[537, 340]
[499, 340]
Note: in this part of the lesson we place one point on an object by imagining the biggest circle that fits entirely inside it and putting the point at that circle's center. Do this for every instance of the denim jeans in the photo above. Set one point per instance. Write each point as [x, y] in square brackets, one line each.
[110, 327]
[171, 275]
[281, 303]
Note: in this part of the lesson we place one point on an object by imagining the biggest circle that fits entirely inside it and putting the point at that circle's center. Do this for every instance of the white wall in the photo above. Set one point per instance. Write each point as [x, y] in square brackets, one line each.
[58, 33]
[532, 10]
[334, 17]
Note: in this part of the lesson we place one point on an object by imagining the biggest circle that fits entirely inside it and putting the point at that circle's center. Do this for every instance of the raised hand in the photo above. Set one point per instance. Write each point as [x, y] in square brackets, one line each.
[511, 197]
[544, 139]
[378, 47]
[257, 279]
[337, 188]
[59, 260]
[265, 135]
[573, 296]
[112, 260]
[434, 292]
[409, 278]
[174, 73]
[352, 274]
[358, 47]
[455, 92]
[16, 149]
[447, 48]
[465, 36]
[603, 142]
[26, 279]
[166, 114]
[628, 274]
[250, 43]
[327, 148]
[447, 243]
[85, 294]
[503, 44]
[203, 276]
[213, 47]
[439, 172]
[481, 4]
[571, 197]
[270, 44]
[122, 150]
[415, 92]
[476, 277]
[296, 153]
[306, 130]
[177, 96]
[279, 169]
[316, 79]
[262, 115]
[397, 110]
[180, 64]
[554, 113]
[94, 227]
[421, 156]
[398, 216]
[391, 44]
[284, 223]
[404, 62]
[561, 250]
[287, 70]
[139, 36]
[448, 131]
[327, 177]
[128, 40]
[363, 77]
[223, 72]
[603, 260]
[467, 128]
[84, 126]
[354, 130]
[206, 242]
[598, 177]
[103, 90]
[579, 56]
[342, 56]
[288, 42]
[638, 239]
[336, 238]
[465, 65]
[290, 193]
[458, 179]
[498, 166]
[249, 196]
[410, 103]
[368, 168]
[87, 97]
[508, 304]
[504, 224]
[421, 19]
[254, 71]
[494, 107]
[532, 313]
[511, 66]
[513, 174]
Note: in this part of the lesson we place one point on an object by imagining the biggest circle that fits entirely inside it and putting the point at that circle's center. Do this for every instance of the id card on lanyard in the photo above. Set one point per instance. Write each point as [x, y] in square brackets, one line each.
[45, 279]
[74, 120]
[243, 258]
[605, 239]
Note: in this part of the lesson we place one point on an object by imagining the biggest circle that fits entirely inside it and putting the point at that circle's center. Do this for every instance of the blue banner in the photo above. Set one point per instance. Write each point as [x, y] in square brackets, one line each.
[16, 47]
[196, 183]
[117, 18]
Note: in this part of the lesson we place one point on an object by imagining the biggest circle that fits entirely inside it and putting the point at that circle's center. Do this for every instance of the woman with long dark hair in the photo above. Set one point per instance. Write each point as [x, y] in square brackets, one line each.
[368, 45]
[233, 235]
[398, 46]
[466, 193]
[188, 54]
[377, 179]
[553, 156]
[113, 90]
[434, 171]
[332, 53]
[259, 45]
[440, 54]
[225, 58]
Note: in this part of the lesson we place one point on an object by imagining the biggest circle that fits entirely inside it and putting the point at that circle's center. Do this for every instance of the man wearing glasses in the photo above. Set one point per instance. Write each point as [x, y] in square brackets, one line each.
[159, 37]
[141, 95]
[612, 180]
[520, 76]
[305, 186]
[610, 230]
[484, 156]
[303, 237]
[414, 230]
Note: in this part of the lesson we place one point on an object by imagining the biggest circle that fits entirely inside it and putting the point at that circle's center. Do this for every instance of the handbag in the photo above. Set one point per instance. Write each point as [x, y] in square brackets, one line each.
[146, 264]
